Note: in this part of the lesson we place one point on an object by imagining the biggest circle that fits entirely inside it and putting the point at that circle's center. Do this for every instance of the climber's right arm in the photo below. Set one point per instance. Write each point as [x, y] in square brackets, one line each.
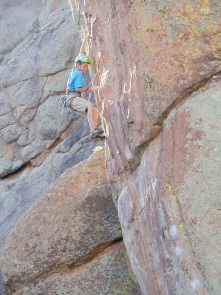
[83, 45]
[83, 89]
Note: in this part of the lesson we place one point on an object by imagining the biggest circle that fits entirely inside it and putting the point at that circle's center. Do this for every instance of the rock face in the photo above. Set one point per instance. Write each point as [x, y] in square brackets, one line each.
[101, 276]
[56, 239]
[28, 95]
[37, 144]
[180, 222]
[16, 20]
[34, 137]
[159, 71]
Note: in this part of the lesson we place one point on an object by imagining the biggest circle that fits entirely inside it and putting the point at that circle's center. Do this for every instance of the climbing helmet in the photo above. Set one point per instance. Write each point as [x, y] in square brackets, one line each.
[83, 58]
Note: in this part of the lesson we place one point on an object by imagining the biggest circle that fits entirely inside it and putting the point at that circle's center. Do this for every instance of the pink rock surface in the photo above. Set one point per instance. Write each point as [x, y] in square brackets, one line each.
[150, 57]
[71, 223]
[105, 274]
[180, 224]
[157, 62]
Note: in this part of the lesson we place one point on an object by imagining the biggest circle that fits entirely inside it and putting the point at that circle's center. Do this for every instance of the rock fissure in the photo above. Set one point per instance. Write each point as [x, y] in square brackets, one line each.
[195, 87]
[167, 112]
[65, 267]
[38, 76]
[39, 101]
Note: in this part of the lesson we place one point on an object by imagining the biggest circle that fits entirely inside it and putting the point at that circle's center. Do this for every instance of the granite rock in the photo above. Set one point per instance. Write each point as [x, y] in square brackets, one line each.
[31, 84]
[179, 173]
[16, 20]
[72, 222]
[105, 274]
[159, 67]
[32, 131]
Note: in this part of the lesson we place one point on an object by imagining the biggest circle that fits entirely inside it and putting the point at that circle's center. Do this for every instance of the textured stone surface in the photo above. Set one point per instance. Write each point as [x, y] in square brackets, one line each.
[190, 182]
[30, 122]
[28, 96]
[24, 188]
[156, 61]
[36, 144]
[154, 55]
[16, 19]
[73, 221]
[106, 274]
[180, 172]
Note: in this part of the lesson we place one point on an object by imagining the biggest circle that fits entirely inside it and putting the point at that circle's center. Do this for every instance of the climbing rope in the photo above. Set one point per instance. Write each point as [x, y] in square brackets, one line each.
[122, 166]
[138, 224]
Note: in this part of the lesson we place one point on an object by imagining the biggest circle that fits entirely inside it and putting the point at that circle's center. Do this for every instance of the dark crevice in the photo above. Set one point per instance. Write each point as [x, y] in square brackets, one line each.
[49, 74]
[19, 170]
[159, 124]
[60, 268]
[184, 95]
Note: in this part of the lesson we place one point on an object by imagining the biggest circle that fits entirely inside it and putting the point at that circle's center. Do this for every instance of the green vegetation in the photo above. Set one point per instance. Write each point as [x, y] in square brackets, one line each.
[130, 136]
[35, 27]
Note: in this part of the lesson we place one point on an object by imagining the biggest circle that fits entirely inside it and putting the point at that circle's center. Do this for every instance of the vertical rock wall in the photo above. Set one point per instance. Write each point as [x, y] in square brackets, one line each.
[16, 20]
[70, 240]
[159, 65]
[37, 144]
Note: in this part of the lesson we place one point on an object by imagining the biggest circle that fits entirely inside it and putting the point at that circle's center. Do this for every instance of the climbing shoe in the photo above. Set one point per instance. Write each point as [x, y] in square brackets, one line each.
[96, 134]
[99, 137]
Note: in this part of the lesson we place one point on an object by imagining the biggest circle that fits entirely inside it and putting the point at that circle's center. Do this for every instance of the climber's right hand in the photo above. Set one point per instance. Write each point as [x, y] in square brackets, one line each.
[88, 88]
[86, 38]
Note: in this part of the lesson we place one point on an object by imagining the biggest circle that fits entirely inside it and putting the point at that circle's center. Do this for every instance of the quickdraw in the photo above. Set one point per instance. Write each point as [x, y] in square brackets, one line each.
[63, 101]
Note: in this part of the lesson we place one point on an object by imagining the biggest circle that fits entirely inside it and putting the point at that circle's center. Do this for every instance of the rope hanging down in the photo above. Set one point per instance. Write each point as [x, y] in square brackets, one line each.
[122, 166]
[118, 152]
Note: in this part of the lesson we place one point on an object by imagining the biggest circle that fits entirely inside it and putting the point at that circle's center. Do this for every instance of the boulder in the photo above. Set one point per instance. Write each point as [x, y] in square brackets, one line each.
[105, 274]
[70, 224]
[180, 222]
[23, 188]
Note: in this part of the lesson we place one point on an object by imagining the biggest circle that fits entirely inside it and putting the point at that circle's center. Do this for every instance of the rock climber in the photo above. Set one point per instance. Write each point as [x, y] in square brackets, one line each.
[75, 85]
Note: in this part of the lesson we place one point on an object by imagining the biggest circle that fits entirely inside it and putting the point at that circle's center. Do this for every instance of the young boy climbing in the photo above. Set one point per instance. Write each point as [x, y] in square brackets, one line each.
[75, 86]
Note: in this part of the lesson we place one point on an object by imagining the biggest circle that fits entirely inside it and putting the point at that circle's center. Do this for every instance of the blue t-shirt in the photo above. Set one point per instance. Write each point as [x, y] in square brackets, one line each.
[75, 80]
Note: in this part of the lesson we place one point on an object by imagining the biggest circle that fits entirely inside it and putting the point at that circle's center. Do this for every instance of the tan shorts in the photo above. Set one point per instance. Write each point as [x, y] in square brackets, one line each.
[77, 104]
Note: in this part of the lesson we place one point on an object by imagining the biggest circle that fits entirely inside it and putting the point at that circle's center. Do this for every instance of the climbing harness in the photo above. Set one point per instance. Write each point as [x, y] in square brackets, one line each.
[65, 102]
[63, 99]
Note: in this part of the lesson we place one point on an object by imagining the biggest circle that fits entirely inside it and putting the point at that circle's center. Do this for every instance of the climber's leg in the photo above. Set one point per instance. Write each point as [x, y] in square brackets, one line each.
[96, 112]
[90, 116]
[87, 109]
